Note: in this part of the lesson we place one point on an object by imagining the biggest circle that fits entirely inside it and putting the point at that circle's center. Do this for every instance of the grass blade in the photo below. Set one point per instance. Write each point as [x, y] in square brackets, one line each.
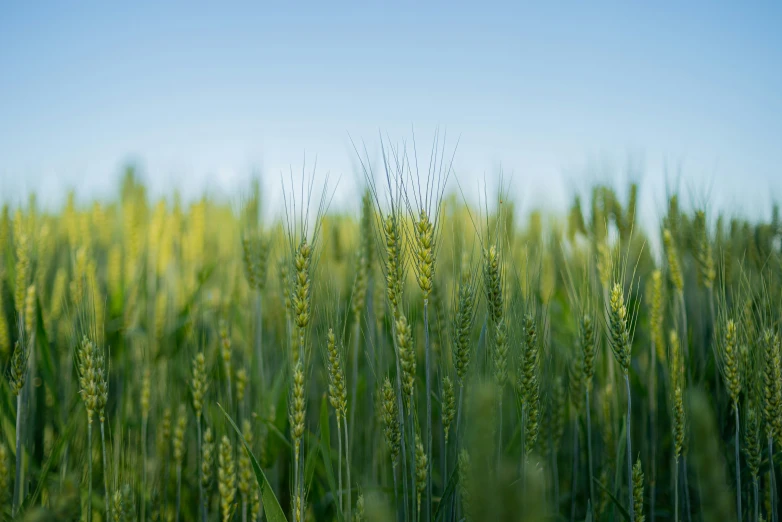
[325, 451]
[271, 505]
[445, 501]
[615, 501]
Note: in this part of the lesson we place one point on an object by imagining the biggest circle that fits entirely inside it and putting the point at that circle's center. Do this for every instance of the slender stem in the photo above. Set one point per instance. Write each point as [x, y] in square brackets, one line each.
[521, 436]
[755, 490]
[630, 507]
[456, 439]
[574, 486]
[354, 381]
[178, 489]
[714, 350]
[143, 500]
[590, 479]
[105, 469]
[738, 462]
[499, 439]
[412, 470]
[428, 350]
[686, 485]
[400, 409]
[555, 479]
[166, 477]
[396, 491]
[18, 480]
[652, 428]
[445, 466]
[339, 468]
[773, 478]
[676, 489]
[301, 484]
[89, 468]
[347, 469]
[296, 514]
[201, 495]
[683, 311]
[259, 336]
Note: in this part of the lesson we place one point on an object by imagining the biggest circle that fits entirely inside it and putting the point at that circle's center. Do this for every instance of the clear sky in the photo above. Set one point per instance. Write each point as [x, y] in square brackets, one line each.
[557, 96]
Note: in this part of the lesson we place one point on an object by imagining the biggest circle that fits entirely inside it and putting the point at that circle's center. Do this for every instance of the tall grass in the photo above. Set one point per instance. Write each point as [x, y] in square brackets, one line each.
[476, 360]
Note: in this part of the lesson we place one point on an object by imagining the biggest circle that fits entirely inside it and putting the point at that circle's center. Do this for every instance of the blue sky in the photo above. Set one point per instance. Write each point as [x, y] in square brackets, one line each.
[558, 96]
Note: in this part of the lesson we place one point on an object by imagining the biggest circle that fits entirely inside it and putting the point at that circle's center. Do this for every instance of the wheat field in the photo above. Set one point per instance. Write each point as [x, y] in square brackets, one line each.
[419, 359]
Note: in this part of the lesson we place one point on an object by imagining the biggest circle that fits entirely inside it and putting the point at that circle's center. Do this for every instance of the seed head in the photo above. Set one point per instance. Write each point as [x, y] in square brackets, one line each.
[241, 384]
[619, 331]
[588, 349]
[533, 413]
[462, 326]
[255, 509]
[390, 416]
[500, 353]
[731, 361]
[117, 507]
[706, 271]
[226, 479]
[364, 256]
[449, 406]
[394, 262]
[420, 468]
[297, 405]
[18, 368]
[679, 422]
[772, 383]
[246, 477]
[638, 491]
[29, 310]
[301, 285]
[674, 269]
[360, 515]
[88, 370]
[249, 262]
[165, 425]
[199, 384]
[338, 396]
[529, 367]
[424, 243]
[752, 441]
[657, 314]
[179, 434]
[207, 459]
[255, 256]
[677, 365]
[225, 346]
[492, 283]
[404, 336]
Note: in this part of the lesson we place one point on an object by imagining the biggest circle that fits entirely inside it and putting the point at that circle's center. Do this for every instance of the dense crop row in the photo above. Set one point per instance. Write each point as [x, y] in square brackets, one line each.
[418, 360]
